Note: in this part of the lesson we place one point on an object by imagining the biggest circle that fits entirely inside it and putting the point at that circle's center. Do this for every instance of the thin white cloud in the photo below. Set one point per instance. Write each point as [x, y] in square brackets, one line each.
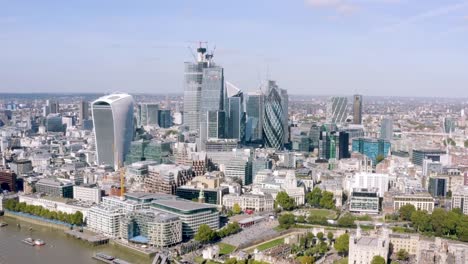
[437, 12]
[341, 7]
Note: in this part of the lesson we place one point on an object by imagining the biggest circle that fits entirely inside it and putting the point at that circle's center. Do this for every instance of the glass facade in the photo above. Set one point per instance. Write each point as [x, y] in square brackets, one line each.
[273, 127]
[216, 124]
[192, 94]
[165, 118]
[113, 128]
[212, 94]
[386, 129]
[372, 147]
[254, 110]
[337, 110]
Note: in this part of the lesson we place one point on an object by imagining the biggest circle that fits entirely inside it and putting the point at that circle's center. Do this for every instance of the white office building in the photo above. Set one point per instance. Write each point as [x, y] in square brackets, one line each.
[369, 181]
[87, 193]
[113, 128]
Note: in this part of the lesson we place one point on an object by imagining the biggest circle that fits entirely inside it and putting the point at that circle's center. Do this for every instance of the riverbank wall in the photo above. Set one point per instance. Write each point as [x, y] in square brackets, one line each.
[37, 220]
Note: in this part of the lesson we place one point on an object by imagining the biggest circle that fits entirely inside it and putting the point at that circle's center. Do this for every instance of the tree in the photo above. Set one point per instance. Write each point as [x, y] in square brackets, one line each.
[466, 143]
[205, 234]
[316, 219]
[286, 202]
[330, 236]
[307, 260]
[327, 200]
[313, 198]
[462, 229]
[378, 260]
[406, 211]
[438, 218]
[236, 209]
[379, 158]
[347, 220]
[402, 254]
[230, 261]
[342, 244]
[301, 219]
[451, 221]
[320, 236]
[421, 220]
[286, 220]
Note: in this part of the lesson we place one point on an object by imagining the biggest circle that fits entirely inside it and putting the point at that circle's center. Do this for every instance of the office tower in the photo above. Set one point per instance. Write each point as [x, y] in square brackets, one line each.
[273, 126]
[314, 136]
[83, 113]
[336, 110]
[343, 145]
[212, 94]
[53, 123]
[147, 114]
[386, 129]
[204, 89]
[235, 112]
[254, 111]
[113, 128]
[165, 118]
[285, 105]
[357, 109]
[216, 124]
[372, 148]
[449, 124]
[53, 106]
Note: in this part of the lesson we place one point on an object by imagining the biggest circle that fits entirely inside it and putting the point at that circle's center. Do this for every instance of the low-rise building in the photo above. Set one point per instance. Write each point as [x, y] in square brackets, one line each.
[256, 202]
[362, 249]
[420, 201]
[54, 188]
[89, 193]
[407, 242]
[151, 227]
[364, 201]
[191, 214]
[460, 199]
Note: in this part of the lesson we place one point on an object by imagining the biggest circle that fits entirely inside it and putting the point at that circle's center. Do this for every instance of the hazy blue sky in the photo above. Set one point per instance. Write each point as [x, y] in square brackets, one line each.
[375, 47]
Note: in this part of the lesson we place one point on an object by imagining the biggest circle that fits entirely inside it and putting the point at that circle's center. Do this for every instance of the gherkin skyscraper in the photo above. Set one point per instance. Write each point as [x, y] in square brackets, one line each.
[274, 117]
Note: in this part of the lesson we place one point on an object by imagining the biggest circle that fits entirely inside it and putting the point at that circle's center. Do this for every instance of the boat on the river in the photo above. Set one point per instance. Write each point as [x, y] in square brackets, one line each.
[33, 242]
[28, 241]
[109, 259]
[39, 242]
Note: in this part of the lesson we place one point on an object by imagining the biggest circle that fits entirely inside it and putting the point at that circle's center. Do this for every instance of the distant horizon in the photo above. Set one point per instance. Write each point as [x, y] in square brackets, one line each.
[182, 94]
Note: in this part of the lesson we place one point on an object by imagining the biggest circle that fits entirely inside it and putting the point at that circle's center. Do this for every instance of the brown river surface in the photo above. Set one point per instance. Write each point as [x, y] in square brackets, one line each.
[59, 248]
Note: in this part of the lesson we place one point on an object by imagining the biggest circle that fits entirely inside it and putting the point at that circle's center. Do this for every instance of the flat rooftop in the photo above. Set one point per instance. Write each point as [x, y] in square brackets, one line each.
[182, 205]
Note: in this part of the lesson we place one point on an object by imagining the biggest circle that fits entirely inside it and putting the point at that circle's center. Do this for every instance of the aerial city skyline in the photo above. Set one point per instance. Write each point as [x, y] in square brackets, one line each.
[320, 47]
[316, 131]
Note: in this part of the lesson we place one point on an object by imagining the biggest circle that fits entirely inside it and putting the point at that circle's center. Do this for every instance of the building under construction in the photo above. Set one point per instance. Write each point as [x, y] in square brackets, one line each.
[165, 178]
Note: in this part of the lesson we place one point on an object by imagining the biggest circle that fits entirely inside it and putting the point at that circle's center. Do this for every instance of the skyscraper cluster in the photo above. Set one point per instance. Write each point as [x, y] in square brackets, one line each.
[217, 109]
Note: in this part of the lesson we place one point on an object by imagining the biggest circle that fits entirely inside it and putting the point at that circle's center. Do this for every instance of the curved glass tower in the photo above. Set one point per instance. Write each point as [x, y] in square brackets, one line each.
[113, 128]
[273, 127]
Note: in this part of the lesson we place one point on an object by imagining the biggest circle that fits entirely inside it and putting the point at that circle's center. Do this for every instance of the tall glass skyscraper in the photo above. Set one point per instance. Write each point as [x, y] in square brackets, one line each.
[273, 122]
[235, 112]
[254, 110]
[372, 147]
[357, 109]
[192, 94]
[336, 110]
[148, 114]
[386, 129]
[204, 90]
[113, 128]
[216, 124]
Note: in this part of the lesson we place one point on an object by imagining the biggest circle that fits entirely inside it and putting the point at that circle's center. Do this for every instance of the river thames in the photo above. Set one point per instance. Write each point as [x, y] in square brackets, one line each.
[59, 247]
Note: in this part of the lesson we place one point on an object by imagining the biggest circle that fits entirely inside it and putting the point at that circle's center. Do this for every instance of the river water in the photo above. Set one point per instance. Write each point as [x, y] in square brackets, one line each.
[59, 247]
